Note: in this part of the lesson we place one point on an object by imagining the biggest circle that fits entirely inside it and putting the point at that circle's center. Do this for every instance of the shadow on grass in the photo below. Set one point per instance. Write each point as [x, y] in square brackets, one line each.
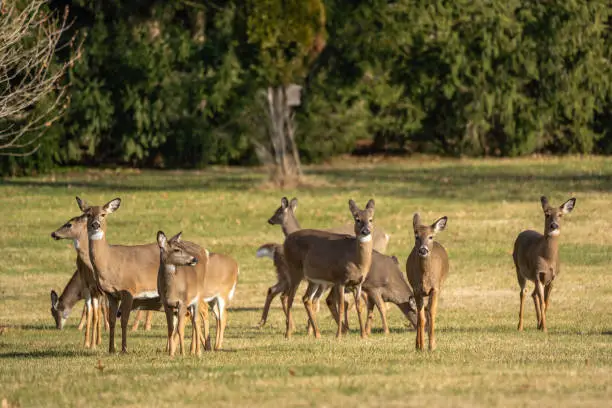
[40, 354]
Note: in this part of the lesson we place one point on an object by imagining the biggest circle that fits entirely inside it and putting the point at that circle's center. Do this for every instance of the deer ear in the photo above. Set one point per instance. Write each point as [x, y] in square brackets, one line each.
[293, 204]
[112, 205]
[353, 207]
[82, 204]
[177, 237]
[416, 221]
[370, 205]
[54, 299]
[544, 202]
[439, 225]
[284, 202]
[568, 206]
[162, 241]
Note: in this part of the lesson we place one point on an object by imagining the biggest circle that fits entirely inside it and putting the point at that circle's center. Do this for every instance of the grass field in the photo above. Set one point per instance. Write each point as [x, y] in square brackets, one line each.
[481, 359]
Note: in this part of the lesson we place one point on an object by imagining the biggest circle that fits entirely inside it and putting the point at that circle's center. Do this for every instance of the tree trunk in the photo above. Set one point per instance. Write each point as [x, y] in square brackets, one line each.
[281, 133]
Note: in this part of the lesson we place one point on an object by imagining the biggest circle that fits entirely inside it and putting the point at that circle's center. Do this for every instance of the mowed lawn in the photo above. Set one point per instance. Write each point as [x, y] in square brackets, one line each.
[481, 359]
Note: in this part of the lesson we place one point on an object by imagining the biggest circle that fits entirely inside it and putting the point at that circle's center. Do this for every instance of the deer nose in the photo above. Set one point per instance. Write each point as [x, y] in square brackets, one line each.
[366, 231]
[554, 226]
[95, 225]
[270, 221]
[423, 251]
[54, 235]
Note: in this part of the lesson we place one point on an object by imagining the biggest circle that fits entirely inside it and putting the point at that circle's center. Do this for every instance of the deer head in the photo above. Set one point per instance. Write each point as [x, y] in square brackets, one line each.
[552, 215]
[60, 316]
[96, 217]
[424, 234]
[73, 229]
[281, 212]
[173, 251]
[364, 220]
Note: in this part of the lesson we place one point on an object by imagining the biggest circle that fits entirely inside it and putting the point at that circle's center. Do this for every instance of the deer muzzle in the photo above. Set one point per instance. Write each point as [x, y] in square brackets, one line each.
[423, 251]
[54, 236]
[95, 225]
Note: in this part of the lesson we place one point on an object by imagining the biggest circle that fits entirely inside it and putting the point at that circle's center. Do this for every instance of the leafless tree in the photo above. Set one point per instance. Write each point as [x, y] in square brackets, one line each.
[29, 39]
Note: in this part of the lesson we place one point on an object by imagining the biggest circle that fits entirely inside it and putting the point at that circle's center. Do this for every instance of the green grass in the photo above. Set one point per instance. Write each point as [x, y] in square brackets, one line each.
[481, 359]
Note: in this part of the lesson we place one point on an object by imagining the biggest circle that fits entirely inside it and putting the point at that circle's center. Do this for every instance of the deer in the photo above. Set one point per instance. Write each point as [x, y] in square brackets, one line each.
[180, 288]
[325, 259]
[62, 305]
[76, 230]
[285, 217]
[427, 268]
[536, 258]
[123, 273]
[211, 280]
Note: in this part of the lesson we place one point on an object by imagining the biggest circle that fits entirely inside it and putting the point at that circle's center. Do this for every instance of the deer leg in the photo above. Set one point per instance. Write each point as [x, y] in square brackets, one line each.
[433, 310]
[540, 299]
[126, 309]
[171, 322]
[370, 315]
[101, 300]
[206, 334]
[357, 295]
[83, 317]
[196, 330]
[380, 305]
[547, 290]
[521, 308]
[273, 291]
[340, 302]
[288, 320]
[113, 305]
[536, 304]
[310, 294]
[87, 342]
[222, 324]
[182, 311]
[148, 319]
[95, 324]
[137, 319]
[420, 343]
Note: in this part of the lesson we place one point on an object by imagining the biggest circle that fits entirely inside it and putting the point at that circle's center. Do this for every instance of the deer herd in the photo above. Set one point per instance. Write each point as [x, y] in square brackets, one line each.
[184, 279]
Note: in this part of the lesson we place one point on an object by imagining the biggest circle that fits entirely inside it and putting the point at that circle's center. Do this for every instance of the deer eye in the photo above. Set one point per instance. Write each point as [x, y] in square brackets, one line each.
[176, 250]
[68, 225]
[371, 220]
[416, 236]
[430, 237]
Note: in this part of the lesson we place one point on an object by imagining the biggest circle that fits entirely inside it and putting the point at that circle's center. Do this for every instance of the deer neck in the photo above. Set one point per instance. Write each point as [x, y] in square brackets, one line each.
[98, 252]
[81, 246]
[364, 254]
[72, 293]
[550, 249]
[406, 309]
[290, 224]
[426, 263]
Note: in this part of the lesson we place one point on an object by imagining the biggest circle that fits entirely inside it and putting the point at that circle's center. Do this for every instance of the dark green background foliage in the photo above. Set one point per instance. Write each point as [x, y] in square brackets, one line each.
[176, 83]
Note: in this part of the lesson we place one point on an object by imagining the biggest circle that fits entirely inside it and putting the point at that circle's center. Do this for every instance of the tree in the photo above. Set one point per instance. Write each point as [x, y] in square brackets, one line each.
[288, 37]
[29, 39]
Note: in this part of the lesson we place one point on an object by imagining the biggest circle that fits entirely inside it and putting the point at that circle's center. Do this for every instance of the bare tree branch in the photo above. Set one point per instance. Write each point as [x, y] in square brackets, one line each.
[29, 39]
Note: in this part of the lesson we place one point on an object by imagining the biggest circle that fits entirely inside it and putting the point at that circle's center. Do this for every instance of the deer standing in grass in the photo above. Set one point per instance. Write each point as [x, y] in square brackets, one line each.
[536, 258]
[123, 273]
[285, 217]
[180, 287]
[325, 259]
[427, 268]
[82, 287]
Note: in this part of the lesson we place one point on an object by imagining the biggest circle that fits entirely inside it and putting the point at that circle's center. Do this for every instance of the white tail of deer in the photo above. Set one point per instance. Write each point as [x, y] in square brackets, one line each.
[536, 258]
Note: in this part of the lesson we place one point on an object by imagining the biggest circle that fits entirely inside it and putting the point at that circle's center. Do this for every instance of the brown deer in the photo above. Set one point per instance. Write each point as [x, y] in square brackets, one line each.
[123, 273]
[386, 283]
[285, 217]
[275, 252]
[180, 287]
[325, 259]
[536, 258]
[76, 230]
[62, 305]
[427, 268]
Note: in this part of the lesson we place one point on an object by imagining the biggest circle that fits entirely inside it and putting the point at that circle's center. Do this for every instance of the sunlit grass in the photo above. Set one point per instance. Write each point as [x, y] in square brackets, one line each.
[481, 360]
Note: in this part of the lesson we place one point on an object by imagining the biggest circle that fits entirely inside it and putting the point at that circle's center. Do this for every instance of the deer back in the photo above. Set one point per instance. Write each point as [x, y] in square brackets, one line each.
[387, 278]
[221, 277]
